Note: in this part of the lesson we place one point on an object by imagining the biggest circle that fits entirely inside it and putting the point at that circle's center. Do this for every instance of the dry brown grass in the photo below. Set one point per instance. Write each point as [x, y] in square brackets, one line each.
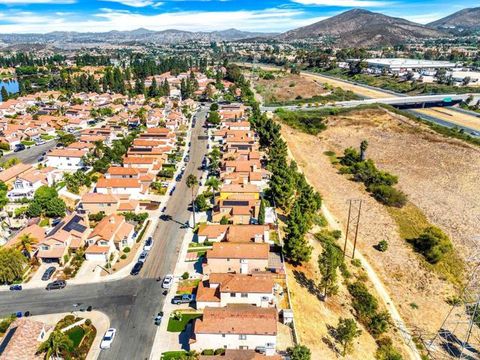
[288, 87]
[438, 174]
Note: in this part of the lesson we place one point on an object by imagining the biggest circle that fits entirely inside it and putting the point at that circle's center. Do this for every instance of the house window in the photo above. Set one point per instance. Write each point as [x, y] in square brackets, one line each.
[244, 295]
[242, 337]
[233, 295]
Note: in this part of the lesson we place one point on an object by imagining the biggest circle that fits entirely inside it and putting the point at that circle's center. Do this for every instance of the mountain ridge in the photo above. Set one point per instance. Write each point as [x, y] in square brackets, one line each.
[363, 28]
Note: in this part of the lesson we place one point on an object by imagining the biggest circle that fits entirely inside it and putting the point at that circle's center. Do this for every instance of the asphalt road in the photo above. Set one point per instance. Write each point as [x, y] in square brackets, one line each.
[130, 303]
[31, 155]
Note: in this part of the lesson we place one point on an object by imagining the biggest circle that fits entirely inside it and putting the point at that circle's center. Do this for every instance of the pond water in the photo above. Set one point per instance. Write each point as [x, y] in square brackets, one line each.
[10, 85]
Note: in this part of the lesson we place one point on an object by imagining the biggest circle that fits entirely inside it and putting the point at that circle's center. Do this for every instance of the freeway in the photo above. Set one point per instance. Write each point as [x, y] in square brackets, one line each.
[468, 122]
[131, 303]
[394, 101]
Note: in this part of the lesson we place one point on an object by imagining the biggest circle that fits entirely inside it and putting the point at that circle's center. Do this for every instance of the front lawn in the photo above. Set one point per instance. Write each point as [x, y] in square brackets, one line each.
[76, 335]
[27, 142]
[178, 325]
[173, 355]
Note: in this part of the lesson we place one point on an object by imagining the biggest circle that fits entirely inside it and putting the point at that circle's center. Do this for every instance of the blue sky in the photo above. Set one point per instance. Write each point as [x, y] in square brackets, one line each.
[23, 16]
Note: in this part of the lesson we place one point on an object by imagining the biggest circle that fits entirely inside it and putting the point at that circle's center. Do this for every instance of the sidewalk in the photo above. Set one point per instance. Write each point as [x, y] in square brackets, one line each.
[125, 271]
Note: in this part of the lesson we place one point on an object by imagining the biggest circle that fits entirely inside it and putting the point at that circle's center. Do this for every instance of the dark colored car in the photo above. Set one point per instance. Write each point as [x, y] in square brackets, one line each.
[171, 191]
[15, 287]
[19, 147]
[183, 299]
[136, 268]
[158, 318]
[57, 284]
[48, 273]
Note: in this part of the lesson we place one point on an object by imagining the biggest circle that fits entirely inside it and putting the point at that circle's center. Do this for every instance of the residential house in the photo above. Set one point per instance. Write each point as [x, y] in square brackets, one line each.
[223, 289]
[243, 258]
[68, 236]
[93, 203]
[233, 233]
[231, 354]
[112, 234]
[22, 339]
[123, 188]
[236, 326]
[26, 184]
[66, 159]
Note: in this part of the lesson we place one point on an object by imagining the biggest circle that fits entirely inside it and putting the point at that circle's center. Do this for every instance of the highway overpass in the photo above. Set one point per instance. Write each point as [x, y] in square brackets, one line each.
[405, 102]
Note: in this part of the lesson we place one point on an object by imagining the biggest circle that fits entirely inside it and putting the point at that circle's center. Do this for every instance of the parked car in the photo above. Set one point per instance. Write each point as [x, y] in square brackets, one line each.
[148, 244]
[48, 273]
[143, 256]
[57, 284]
[40, 142]
[167, 281]
[187, 158]
[56, 221]
[183, 299]
[19, 147]
[136, 268]
[178, 178]
[108, 338]
[171, 191]
[158, 318]
[16, 288]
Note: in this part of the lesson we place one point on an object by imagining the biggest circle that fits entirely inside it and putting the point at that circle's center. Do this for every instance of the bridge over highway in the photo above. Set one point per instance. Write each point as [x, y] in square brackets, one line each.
[404, 102]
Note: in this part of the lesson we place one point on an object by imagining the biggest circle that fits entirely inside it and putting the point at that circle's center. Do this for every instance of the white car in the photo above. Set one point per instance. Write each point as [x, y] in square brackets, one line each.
[108, 338]
[167, 282]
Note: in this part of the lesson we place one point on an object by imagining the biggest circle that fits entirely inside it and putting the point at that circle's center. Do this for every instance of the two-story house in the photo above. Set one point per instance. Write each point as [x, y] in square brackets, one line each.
[236, 326]
[112, 234]
[223, 289]
[243, 258]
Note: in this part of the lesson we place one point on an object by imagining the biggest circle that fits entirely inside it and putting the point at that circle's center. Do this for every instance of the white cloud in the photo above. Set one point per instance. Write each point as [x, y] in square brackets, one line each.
[136, 3]
[343, 3]
[263, 20]
[26, 2]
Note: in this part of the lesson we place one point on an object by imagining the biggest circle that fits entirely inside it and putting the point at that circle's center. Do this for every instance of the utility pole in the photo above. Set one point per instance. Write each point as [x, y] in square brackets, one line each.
[353, 223]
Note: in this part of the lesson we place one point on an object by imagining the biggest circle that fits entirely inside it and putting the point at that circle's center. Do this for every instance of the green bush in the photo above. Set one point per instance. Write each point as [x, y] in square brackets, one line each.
[185, 275]
[382, 246]
[433, 243]
[208, 352]
[386, 351]
[88, 322]
[388, 195]
[364, 303]
[126, 249]
[4, 146]
[219, 351]
[123, 256]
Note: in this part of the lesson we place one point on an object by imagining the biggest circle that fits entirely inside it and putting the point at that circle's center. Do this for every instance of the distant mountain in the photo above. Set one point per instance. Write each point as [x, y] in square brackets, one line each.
[362, 28]
[466, 19]
[60, 38]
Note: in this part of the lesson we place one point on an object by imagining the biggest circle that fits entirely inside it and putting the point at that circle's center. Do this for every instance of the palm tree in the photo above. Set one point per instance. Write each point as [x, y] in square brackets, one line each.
[55, 344]
[190, 355]
[191, 183]
[12, 263]
[26, 242]
[213, 185]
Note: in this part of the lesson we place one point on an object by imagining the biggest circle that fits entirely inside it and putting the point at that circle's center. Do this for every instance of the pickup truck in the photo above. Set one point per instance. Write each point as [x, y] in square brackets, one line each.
[183, 299]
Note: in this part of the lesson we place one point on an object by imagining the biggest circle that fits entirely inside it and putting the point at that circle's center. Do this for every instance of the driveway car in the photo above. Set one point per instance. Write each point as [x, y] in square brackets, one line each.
[56, 285]
[108, 338]
[167, 282]
[48, 273]
[136, 268]
[183, 299]
[16, 288]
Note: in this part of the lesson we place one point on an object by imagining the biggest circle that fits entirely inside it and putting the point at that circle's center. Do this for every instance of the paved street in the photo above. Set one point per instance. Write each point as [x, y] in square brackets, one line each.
[130, 303]
[31, 155]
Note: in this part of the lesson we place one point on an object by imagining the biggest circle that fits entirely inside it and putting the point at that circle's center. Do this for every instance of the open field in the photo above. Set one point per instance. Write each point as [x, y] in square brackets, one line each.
[288, 87]
[438, 174]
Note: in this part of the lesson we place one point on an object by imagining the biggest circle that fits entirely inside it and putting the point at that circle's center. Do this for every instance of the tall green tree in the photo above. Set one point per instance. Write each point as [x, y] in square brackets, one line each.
[346, 332]
[4, 93]
[213, 185]
[3, 194]
[261, 212]
[12, 263]
[328, 264]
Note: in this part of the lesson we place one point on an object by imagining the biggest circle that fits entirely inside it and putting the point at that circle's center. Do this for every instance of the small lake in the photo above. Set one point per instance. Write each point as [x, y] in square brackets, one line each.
[10, 85]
